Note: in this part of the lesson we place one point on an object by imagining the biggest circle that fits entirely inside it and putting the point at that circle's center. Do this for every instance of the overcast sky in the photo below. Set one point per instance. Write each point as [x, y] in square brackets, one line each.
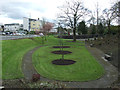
[13, 11]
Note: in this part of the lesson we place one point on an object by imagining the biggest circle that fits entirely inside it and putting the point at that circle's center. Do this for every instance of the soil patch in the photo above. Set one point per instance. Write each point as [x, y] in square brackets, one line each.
[61, 52]
[63, 62]
[61, 46]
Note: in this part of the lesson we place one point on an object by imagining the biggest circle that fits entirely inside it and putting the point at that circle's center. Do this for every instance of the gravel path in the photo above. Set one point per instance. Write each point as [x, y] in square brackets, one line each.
[110, 76]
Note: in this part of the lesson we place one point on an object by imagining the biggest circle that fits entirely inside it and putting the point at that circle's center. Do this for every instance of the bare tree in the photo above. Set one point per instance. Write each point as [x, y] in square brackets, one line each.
[92, 19]
[110, 14]
[71, 13]
[47, 26]
[119, 12]
[97, 14]
[116, 10]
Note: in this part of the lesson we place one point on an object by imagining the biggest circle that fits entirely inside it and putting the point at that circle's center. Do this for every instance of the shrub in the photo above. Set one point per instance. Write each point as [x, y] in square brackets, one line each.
[32, 32]
[35, 77]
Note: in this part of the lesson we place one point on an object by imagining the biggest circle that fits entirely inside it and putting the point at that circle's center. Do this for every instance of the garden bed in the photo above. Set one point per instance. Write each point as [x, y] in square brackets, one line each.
[61, 52]
[63, 62]
[61, 46]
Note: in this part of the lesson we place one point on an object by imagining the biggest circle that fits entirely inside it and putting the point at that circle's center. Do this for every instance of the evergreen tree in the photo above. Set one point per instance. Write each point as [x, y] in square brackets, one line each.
[100, 28]
[82, 28]
[93, 29]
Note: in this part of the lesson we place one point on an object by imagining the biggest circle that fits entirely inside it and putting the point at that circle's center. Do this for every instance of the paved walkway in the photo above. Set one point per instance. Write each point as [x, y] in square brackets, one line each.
[109, 77]
[27, 66]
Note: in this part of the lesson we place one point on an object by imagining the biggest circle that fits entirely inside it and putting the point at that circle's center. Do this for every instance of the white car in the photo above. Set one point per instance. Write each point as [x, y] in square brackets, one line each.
[3, 33]
[23, 34]
[41, 34]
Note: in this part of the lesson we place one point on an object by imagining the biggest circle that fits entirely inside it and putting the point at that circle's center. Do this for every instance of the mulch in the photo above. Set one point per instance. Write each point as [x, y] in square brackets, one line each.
[61, 46]
[61, 52]
[63, 62]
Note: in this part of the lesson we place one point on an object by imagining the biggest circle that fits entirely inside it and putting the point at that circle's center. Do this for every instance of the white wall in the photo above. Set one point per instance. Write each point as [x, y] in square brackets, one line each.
[26, 23]
[11, 28]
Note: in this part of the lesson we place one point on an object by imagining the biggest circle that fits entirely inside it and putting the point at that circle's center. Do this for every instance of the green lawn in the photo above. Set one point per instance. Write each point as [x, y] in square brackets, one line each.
[86, 67]
[12, 53]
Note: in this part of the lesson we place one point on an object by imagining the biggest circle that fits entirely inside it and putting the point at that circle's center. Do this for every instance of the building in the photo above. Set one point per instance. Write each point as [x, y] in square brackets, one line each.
[31, 24]
[14, 27]
[1, 27]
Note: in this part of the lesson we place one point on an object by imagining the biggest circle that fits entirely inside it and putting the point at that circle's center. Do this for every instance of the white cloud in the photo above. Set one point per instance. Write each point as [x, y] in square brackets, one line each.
[38, 8]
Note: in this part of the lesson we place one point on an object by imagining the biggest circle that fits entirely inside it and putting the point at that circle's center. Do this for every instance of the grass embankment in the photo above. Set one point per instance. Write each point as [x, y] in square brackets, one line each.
[12, 54]
[86, 67]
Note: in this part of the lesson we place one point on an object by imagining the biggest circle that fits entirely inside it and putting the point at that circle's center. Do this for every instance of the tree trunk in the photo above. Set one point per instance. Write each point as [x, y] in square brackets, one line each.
[74, 35]
[109, 31]
[74, 29]
[45, 36]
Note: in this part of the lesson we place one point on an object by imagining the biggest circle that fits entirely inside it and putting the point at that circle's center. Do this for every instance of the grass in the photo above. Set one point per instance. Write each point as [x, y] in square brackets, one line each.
[86, 67]
[12, 54]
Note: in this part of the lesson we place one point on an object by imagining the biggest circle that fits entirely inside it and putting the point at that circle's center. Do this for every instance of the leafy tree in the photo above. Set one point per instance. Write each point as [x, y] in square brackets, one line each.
[82, 28]
[100, 28]
[32, 32]
[115, 29]
[59, 29]
[92, 29]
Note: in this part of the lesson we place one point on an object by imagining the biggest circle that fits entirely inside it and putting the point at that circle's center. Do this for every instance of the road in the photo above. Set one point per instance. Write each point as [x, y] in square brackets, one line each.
[17, 37]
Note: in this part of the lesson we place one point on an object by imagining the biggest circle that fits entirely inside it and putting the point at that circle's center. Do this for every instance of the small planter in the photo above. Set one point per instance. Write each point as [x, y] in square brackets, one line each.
[35, 77]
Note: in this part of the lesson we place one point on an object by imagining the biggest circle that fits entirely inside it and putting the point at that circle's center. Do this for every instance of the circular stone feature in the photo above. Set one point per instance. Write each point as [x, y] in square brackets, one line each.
[61, 52]
[61, 46]
[63, 62]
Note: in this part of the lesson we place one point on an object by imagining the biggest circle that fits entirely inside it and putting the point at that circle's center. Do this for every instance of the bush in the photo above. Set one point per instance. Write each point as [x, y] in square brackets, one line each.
[32, 32]
[35, 77]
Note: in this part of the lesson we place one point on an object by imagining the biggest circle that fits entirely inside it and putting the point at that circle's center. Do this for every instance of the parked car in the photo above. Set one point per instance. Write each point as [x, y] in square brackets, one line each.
[3, 33]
